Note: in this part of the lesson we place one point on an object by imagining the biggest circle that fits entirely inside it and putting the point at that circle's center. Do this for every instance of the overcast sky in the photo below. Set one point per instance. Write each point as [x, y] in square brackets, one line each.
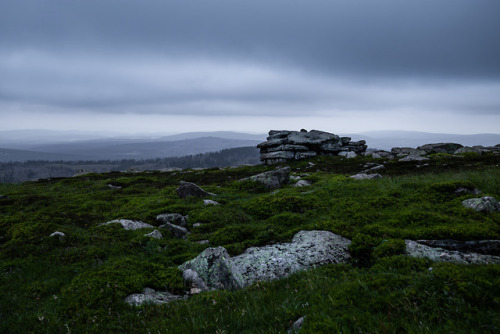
[253, 65]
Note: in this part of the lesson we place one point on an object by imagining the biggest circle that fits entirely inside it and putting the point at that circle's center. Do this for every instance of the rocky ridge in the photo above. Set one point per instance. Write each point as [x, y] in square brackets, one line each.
[284, 145]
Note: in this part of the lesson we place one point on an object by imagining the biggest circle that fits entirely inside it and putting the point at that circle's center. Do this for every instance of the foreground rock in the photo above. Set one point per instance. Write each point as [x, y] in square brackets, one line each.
[150, 296]
[130, 224]
[483, 204]
[283, 145]
[308, 249]
[272, 180]
[212, 269]
[187, 189]
[418, 250]
[172, 218]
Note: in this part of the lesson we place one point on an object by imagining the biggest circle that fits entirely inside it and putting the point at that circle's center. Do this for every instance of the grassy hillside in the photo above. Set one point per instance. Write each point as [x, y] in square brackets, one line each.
[78, 285]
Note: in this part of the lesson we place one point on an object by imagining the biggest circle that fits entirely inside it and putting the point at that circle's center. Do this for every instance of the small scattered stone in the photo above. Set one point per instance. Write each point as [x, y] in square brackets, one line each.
[129, 224]
[210, 202]
[172, 218]
[151, 296]
[113, 186]
[364, 176]
[303, 183]
[203, 242]
[297, 325]
[155, 234]
[197, 224]
[177, 231]
[348, 155]
[58, 234]
[187, 189]
[272, 180]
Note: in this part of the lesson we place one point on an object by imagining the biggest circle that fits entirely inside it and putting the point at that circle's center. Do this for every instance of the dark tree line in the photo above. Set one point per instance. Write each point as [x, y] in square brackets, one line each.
[13, 172]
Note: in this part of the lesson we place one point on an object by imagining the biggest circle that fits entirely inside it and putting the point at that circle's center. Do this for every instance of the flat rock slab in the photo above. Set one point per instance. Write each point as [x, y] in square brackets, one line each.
[177, 231]
[308, 249]
[364, 176]
[438, 254]
[130, 224]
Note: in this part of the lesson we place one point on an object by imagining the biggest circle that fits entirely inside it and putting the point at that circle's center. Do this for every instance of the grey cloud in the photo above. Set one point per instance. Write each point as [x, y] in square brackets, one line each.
[455, 38]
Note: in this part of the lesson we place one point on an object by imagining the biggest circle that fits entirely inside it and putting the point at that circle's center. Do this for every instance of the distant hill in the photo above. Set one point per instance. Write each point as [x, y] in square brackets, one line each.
[7, 155]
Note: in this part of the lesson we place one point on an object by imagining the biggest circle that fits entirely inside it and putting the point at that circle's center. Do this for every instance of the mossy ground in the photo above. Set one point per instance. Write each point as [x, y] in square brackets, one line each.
[79, 284]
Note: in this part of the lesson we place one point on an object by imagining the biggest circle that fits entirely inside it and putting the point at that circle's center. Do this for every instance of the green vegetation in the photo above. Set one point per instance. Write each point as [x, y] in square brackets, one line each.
[78, 284]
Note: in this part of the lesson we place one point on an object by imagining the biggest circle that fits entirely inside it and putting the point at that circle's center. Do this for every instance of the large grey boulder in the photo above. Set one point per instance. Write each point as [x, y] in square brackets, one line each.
[215, 268]
[482, 204]
[313, 137]
[438, 254]
[172, 218]
[177, 231]
[150, 296]
[449, 148]
[308, 249]
[129, 224]
[272, 180]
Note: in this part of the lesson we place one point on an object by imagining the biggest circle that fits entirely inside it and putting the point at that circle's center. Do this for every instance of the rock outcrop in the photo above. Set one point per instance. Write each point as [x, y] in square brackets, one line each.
[486, 247]
[284, 145]
[308, 249]
[155, 234]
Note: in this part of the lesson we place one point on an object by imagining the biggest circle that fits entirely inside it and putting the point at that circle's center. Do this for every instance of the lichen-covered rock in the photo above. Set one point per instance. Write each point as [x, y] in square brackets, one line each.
[418, 250]
[151, 296]
[303, 183]
[187, 189]
[129, 224]
[172, 218]
[155, 234]
[177, 231]
[296, 326]
[364, 176]
[272, 180]
[482, 204]
[215, 268]
[308, 249]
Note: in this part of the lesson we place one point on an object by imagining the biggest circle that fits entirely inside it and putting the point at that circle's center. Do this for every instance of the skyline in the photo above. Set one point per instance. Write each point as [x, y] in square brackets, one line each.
[163, 66]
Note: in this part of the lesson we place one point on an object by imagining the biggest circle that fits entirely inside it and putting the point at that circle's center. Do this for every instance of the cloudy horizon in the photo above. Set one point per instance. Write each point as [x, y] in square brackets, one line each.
[165, 66]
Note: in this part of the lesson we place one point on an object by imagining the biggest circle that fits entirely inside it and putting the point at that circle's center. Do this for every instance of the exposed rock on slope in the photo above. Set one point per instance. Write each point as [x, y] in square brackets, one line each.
[272, 180]
[187, 189]
[416, 249]
[308, 249]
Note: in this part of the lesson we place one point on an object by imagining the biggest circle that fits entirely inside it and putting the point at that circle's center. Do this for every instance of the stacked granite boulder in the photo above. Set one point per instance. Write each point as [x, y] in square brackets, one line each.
[283, 145]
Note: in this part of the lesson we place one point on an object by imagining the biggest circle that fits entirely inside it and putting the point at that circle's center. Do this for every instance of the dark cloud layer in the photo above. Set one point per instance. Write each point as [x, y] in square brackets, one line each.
[249, 58]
